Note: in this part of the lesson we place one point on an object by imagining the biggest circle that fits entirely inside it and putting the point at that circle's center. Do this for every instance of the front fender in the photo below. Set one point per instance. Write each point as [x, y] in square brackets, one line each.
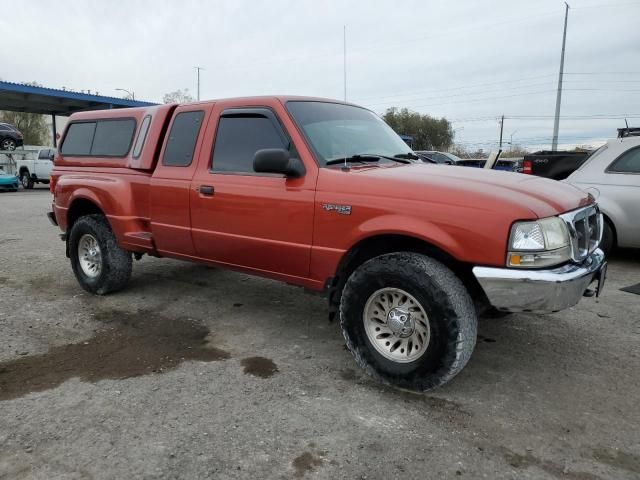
[422, 229]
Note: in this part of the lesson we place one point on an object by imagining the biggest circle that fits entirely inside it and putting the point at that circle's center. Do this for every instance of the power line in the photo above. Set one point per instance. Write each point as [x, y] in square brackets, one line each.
[484, 99]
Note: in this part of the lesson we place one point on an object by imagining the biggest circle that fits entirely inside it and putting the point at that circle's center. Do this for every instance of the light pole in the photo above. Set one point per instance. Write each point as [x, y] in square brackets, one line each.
[344, 59]
[198, 70]
[131, 94]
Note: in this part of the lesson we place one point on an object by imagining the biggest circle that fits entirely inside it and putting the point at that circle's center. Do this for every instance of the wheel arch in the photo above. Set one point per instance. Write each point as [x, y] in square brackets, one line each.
[81, 206]
[384, 243]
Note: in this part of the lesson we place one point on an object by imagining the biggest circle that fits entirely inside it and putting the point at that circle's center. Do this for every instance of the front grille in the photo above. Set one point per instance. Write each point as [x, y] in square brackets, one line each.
[585, 231]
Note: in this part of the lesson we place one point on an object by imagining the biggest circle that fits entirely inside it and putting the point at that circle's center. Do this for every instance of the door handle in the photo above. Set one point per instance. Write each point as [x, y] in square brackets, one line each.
[206, 190]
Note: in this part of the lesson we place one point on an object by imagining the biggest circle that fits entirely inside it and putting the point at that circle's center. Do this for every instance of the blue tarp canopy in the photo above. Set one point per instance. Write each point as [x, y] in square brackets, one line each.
[18, 97]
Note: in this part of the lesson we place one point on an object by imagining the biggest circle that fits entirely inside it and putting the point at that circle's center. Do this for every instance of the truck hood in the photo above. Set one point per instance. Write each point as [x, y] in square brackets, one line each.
[475, 187]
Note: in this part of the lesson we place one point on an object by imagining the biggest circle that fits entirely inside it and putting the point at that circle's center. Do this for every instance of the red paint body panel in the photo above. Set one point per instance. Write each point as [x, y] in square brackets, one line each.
[277, 227]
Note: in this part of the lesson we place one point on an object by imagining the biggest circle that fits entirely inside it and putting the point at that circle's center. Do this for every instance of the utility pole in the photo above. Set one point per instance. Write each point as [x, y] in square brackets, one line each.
[198, 73]
[556, 122]
[344, 66]
[501, 129]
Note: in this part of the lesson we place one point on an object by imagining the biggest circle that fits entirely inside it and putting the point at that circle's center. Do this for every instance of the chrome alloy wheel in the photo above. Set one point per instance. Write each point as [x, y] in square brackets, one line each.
[89, 255]
[397, 325]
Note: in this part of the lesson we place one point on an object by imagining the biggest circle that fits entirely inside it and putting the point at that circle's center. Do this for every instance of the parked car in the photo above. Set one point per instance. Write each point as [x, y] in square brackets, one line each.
[509, 165]
[10, 137]
[439, 157]
[504, 164]
[612, 176]
[36, 169]
[8, 181]
[553, 164]
[324, 195]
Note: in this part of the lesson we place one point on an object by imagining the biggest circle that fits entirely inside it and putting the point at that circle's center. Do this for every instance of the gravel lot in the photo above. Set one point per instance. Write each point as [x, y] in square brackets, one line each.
[195, 372]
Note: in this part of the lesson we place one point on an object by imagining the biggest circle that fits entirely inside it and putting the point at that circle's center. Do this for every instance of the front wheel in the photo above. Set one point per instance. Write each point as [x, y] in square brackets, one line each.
[408, 320]
[98, 263]
[26, 180]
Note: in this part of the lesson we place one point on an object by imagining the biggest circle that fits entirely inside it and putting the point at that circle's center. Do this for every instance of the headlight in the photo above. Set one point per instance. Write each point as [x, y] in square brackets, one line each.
[540, 243]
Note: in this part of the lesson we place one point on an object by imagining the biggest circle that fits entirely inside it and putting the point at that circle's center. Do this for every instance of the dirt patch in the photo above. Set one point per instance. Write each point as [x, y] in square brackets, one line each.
[305, 462]
[617, 459]
[259, 367]
[3, 280]
[136, 344]
[552, 468]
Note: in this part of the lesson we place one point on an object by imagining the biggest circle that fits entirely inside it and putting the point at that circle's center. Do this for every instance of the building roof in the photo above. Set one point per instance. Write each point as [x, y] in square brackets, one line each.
[18, 97]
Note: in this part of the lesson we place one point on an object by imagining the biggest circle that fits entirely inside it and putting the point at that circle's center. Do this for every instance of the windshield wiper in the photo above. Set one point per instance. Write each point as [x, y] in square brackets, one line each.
[362, 158]
[408, 156]
[365, 157]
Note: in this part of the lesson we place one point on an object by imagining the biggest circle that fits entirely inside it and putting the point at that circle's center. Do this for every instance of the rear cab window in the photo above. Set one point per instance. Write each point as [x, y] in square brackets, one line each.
[99, 138]
[182, 139]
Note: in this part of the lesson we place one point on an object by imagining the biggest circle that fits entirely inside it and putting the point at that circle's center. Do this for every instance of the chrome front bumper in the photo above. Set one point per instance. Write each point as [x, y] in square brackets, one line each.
[541, 291]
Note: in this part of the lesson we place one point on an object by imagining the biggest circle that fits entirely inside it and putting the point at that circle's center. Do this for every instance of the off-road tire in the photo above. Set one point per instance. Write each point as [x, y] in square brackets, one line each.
[26, 180]
[451, 314]
[608, 238]
[116, 262]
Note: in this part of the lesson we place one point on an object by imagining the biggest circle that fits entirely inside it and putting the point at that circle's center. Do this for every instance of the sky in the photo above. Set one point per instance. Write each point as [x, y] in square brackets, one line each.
[468, 61]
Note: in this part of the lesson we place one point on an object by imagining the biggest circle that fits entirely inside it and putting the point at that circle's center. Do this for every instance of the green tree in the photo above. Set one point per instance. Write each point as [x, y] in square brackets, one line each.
[428, 133]
[32, 125]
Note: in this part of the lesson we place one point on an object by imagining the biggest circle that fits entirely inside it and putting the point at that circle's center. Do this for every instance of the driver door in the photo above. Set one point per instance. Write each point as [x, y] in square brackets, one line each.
[257, 221]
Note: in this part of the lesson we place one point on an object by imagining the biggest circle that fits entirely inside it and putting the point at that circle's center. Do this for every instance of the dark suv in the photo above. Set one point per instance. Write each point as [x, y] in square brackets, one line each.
[10, 137]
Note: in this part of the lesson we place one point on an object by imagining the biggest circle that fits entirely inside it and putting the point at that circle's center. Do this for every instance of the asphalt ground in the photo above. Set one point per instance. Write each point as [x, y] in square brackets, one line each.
[194, 372]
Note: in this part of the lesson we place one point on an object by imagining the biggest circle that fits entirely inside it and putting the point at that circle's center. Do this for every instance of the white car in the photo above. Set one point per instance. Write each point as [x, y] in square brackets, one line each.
[37, 168]
[612, 175]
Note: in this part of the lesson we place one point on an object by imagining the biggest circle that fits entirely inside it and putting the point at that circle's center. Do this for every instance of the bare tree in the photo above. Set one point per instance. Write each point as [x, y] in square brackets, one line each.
[179, 96]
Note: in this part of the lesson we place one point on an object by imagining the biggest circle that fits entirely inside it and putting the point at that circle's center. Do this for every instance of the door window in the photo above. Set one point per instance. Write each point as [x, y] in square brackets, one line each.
[239, 137]
[628, 162]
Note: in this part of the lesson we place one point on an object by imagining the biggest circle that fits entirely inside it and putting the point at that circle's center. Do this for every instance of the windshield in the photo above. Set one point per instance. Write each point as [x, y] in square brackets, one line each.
[592, 156]
[337, 131]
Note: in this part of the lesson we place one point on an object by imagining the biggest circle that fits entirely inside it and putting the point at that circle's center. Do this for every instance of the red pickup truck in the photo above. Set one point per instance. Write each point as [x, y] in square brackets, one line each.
[324, 195]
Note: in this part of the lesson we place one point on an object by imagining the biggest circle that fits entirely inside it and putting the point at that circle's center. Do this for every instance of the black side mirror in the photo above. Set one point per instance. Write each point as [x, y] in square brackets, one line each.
[52, 156]
[277, 160]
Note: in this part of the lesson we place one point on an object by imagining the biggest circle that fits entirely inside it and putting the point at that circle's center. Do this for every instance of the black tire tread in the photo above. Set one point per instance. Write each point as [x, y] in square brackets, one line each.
[117, 265]
[463, 322]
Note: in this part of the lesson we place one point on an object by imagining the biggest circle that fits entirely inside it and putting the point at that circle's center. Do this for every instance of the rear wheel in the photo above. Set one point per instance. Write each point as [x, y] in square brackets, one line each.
[408, 321]
[98, 263]
[26, 180]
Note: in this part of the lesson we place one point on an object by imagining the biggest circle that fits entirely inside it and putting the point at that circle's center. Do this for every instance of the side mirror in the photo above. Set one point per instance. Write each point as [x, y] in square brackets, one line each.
[52, 156]
[277, 160]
